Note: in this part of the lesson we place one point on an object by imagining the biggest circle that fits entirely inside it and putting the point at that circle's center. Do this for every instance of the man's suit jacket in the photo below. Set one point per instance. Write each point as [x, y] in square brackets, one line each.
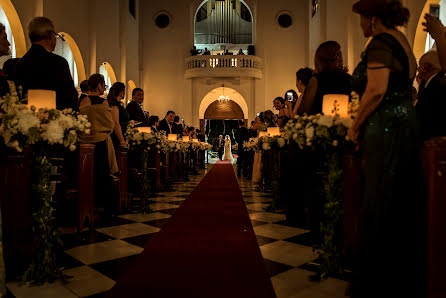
[40, 69]
[165, 126]
[136, 113]
[242, 135]
[431, 106]
[201, 137]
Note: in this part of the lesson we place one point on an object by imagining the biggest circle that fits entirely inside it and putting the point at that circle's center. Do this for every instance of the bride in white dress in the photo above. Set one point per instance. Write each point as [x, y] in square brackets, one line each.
[228, 152]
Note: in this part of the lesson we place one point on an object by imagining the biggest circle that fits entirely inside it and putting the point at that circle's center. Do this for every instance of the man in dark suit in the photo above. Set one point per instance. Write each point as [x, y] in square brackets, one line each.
[84, 90]
[431, 99]
[167, 123]
[241, 136]
[134, 109]
[39, 68]
[202, 138]
[220, 146]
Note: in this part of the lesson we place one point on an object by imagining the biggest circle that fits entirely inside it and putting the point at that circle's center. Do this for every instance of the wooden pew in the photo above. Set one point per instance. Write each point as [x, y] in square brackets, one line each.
[434, 166]
[124, 201]
[86, 186]
[352, 196]
[15, 200]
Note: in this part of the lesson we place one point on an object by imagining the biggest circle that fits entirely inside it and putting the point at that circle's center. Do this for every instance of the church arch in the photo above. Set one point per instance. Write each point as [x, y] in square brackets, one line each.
[109, 74]
[419, 45]
[14, 29]
[214, 94]
[67, 48]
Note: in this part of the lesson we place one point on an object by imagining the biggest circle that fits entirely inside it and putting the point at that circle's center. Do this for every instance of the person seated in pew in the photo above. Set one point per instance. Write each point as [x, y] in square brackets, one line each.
[154, 122]
[99, 114]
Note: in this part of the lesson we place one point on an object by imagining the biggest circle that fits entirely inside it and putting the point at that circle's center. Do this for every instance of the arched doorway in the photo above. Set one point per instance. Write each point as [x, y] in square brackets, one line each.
[219, 117]
[109, 74]
[14, 30]
[67, 47]
[423, 42]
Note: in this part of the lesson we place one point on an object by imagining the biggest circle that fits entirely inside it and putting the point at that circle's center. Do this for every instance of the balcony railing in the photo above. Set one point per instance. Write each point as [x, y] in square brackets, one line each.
[224, 65]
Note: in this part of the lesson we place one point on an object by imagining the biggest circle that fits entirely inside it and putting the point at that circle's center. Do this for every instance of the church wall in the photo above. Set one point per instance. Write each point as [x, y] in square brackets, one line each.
[283, 50]
[165, 51]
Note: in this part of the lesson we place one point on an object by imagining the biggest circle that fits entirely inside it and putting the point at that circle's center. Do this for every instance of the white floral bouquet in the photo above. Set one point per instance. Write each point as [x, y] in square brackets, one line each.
[21, 125]
[309, 131]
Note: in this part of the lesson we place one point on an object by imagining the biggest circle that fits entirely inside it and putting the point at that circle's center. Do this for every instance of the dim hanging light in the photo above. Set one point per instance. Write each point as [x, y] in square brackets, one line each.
[223, 98]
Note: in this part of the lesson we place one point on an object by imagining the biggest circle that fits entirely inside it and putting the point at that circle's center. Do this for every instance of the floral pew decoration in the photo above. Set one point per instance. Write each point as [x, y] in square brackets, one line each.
[46, 131]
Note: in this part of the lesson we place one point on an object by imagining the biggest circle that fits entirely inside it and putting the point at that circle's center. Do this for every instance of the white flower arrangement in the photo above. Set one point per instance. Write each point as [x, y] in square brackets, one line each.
[21, 126]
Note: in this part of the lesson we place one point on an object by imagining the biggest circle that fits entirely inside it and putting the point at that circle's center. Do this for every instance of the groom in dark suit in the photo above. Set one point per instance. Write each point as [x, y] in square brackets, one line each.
[431, 100]
[220, 146]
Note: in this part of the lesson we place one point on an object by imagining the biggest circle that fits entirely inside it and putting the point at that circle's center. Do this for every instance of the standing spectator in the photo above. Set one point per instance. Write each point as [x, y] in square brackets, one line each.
[41, 69]
[303, 77]
[201, 138]
[177, 126]
[166, 124]
[135, 110]
[242, 136]
[431, 105]
[284, 113]
[240, 52]
[392, 222]
[206, 51]
[120, 115]
[330, 77]
[194, 51]
[220, 146]
[9, 67]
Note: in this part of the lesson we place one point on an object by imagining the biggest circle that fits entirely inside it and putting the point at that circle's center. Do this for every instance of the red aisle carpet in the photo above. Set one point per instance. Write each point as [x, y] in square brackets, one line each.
[207, 249]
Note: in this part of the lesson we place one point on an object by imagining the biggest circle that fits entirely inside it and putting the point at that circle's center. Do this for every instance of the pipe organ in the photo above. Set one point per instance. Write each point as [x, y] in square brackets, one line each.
[224, 24]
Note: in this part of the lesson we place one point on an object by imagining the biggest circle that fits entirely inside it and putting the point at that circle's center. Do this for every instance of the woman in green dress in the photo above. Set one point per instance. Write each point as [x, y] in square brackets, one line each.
[391, 255]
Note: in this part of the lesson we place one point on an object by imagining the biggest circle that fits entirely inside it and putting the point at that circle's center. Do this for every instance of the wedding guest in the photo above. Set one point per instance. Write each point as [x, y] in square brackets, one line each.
[240, 52]
[257, 164]
[99, 114]
[154, 122]
[9, 67]
[191, 132]
[4, 51]
[242, 136]
[431, 105]
[135, 110]
[330, 77]
[303, 77]
[201, 138]
[177, 126]
[269, 119]
[39, 68]
[284, 112]
[166, 124]
[120, 115]
[194, 51]
[84, 90]
[437, 31]
[291, 104]
[392, 223]
[206, 51]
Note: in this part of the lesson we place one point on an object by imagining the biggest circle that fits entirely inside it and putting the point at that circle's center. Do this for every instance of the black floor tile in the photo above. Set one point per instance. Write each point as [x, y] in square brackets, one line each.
[274, 268]
[140, 240]
[115, 221]
[168, 211]
[292, 224]
[98, 295]
[302, 239]
[9, 294]
[157, 223]
[114, 269]
[257, 223]
[264, 240]
[84, 238]
[67, 262]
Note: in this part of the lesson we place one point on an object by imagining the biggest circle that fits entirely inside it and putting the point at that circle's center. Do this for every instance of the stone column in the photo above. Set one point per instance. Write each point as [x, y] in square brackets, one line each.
[92, 38]
[123, 11]
[38, 8]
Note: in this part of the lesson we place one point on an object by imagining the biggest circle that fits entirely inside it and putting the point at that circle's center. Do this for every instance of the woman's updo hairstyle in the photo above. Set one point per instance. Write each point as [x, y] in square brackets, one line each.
[328, 57]
[397, 15]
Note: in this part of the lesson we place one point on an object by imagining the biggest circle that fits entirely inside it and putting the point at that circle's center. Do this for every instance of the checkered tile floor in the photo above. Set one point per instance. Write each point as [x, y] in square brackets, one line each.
[96, 260]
